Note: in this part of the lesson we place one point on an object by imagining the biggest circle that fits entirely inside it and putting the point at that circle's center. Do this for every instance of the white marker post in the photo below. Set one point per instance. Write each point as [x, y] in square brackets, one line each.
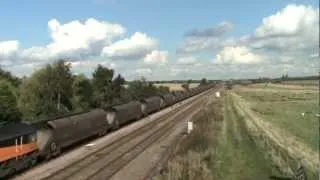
[190, 126]
[218, 94]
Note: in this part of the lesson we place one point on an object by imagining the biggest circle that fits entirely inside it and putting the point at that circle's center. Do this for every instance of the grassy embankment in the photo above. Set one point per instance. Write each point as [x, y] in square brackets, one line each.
[294, 111]
[218, 148]
[285, 124]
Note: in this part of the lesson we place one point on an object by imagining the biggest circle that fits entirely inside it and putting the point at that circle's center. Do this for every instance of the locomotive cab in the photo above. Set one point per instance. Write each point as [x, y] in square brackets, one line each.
[18, 148]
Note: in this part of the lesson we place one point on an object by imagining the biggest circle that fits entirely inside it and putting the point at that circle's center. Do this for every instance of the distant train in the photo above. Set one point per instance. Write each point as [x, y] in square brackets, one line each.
[22, 145]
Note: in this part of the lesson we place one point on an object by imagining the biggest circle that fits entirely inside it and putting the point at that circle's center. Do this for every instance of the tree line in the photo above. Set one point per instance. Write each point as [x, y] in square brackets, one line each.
[54, 90]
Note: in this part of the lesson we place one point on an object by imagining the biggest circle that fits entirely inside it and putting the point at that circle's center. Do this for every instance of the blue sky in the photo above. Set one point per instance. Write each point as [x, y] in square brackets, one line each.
[167, 21]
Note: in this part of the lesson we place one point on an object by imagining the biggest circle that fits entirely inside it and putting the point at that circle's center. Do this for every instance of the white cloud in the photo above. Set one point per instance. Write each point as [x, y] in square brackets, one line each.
[291, 20]
[76, 39]
[8, 52]
[136, 46]
[76, 35]
[315, 55]
[289, 35]
[89, 65]
[156, 57]
[187, 60]
[292, 29]
[84, 64]
[237, 55]
[36, 53]
[140, 72]
[23, 69]
[143, 70]
[7, 48]
[176, 71]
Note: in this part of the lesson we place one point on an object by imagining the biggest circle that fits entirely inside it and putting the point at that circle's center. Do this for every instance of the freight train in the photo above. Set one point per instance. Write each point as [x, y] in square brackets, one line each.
[22, 145]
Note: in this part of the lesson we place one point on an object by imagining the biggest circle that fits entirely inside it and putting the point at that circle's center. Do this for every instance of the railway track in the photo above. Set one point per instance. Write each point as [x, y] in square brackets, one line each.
[108, 160]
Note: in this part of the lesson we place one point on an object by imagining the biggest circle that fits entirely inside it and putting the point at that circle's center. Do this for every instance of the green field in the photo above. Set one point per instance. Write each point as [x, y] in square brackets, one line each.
[294, 111]
[237, 156]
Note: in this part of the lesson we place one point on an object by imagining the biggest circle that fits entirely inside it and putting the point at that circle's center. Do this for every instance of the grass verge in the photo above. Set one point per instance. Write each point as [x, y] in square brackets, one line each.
[218, 148]
[195, 157]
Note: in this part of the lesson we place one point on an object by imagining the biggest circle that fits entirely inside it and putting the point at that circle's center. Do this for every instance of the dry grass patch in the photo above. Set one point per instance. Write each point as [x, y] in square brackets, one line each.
[176, 86]
[172, 86]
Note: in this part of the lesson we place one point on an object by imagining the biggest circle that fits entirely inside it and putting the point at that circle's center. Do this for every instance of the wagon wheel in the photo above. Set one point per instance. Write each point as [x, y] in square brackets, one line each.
[5, 169]
[103, 132]
[47, 156]
[33, 159]
[116, 124]
[54, 150]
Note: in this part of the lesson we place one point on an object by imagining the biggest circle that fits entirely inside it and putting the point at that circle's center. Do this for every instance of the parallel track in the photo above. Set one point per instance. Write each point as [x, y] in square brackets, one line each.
[108, 160]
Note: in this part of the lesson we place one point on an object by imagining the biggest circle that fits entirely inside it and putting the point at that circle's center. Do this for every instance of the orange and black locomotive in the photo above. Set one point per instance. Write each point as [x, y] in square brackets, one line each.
[18, 148]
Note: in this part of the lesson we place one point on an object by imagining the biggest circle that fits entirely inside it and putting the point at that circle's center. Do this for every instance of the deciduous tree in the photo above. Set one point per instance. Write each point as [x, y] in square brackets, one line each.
[82, 93]
[102, 84]
[8, 106]
[48, 92]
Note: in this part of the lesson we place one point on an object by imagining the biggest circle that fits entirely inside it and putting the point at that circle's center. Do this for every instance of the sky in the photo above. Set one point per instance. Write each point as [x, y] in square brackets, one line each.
[163, 40]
